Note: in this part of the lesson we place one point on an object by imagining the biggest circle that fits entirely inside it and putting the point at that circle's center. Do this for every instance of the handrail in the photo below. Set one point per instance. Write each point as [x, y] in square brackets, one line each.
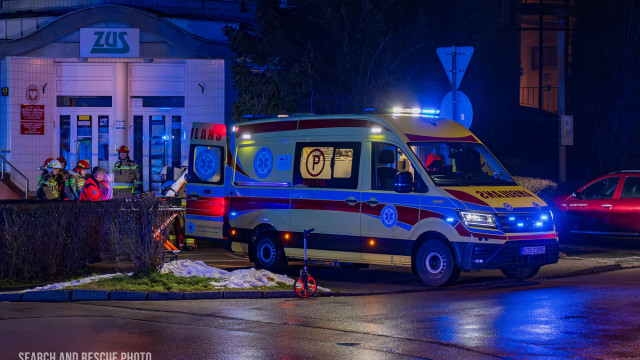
[26, 179]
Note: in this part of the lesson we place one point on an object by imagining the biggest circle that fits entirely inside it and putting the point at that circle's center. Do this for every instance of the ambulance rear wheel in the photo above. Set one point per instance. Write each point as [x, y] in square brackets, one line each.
[268, 253]
[522, 273]
[435, 264]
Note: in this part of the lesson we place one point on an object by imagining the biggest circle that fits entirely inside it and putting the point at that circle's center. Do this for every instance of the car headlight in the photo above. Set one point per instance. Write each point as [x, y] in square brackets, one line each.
[478, 219]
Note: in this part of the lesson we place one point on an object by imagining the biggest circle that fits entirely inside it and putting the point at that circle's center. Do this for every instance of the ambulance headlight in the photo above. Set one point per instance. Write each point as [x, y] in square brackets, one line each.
[478, 219]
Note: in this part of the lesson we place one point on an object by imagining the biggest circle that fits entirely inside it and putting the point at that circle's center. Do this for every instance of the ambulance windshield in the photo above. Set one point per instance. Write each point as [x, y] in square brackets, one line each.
[461, 164]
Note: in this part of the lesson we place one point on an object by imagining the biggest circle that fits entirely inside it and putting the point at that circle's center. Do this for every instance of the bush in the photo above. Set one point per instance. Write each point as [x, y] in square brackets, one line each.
[544, 188]
[41, 241]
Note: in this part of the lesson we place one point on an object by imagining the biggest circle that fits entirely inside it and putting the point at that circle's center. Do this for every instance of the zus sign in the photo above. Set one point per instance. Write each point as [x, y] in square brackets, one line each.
[109, 42]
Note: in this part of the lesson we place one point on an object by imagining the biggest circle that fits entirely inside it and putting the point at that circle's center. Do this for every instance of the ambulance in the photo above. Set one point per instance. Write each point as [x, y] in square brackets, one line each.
[391, 189]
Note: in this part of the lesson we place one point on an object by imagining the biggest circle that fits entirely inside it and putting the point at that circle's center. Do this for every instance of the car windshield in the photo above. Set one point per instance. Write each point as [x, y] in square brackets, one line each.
[461, 164]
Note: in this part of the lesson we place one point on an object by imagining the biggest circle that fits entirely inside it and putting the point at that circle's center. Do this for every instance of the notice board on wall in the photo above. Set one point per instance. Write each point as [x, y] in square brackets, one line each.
[31, 119]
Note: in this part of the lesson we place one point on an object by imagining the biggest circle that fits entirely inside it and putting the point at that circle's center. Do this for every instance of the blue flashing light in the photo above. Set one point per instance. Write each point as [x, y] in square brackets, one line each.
[520, 224]
[450, 219]
[370, 109]
[544, 217]
[512, 218]
[431, 111]
[233, 213]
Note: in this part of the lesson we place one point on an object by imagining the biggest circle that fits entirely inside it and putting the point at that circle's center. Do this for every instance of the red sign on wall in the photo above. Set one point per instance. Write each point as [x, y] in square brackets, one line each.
[32, 119]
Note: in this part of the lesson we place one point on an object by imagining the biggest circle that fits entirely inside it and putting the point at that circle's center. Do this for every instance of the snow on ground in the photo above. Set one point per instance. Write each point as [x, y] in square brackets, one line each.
[89, 279]
[237, 279]
[243, 278]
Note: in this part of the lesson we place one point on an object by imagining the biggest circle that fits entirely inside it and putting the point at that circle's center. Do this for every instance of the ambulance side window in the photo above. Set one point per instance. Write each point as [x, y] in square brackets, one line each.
[327, 165]
[206, 164]
[386, 161]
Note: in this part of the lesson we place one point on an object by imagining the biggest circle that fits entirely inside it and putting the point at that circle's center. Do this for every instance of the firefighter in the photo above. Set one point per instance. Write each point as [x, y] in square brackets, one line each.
[189, 243]
[95, 187]
[49, 187]
[44, 170]
[75, 182]
[126, 175]
[62, 177]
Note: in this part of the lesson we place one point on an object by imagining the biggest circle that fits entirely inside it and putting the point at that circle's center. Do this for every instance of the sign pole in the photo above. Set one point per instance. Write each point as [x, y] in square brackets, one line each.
[454, 83]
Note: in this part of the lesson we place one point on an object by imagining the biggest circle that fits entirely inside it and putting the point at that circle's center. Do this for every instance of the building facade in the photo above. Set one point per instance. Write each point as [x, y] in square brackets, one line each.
[80, 78]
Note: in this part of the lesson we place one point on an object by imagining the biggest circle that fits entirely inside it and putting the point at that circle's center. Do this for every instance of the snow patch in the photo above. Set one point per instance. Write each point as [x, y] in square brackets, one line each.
[237, 279]
[62, 285]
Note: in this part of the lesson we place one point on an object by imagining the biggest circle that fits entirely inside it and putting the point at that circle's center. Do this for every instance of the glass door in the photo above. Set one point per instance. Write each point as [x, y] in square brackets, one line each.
[84, 135]
[157, 142]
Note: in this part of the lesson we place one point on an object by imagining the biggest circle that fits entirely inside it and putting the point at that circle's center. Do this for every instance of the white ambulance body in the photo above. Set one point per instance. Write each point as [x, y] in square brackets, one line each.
[379, 189]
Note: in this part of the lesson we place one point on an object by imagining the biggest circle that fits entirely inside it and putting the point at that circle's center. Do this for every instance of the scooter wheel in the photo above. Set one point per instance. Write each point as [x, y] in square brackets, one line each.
[305, 291]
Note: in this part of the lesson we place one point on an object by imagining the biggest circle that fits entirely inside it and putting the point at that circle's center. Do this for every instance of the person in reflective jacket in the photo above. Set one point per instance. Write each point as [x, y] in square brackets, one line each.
[49, 186]
[126, 175]
[74, 183]
[95, 186]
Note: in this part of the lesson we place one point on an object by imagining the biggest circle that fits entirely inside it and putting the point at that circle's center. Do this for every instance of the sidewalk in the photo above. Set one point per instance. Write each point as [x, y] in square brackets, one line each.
[391, 279]
[340, 281]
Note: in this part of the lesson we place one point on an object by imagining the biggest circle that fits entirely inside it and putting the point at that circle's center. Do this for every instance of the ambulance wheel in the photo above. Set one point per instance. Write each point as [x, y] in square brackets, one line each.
[269, 254]
[435, 264]
[522, 273]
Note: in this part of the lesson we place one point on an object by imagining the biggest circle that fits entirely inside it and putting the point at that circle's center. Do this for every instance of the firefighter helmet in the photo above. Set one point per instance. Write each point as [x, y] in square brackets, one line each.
[62, 160]
[83, 164]
[55, 164]
[123, 149]
[46, 162]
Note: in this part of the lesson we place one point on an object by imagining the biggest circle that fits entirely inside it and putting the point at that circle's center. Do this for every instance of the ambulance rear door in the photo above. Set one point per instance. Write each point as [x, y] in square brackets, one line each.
[206, 184]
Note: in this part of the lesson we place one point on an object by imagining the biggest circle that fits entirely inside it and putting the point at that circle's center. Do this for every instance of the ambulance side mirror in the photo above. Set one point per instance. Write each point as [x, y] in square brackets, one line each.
[403, 182]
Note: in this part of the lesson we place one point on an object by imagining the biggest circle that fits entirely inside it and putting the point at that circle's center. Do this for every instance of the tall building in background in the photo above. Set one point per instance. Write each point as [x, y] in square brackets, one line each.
[541, 22]
[80, 78]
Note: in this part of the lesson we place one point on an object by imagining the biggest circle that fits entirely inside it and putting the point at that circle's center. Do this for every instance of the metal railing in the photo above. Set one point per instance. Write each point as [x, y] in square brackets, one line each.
[9, 175]
[529, 96]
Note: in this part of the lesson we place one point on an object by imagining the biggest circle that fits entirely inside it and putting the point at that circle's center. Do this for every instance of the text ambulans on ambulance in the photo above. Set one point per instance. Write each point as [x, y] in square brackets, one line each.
[378, 189]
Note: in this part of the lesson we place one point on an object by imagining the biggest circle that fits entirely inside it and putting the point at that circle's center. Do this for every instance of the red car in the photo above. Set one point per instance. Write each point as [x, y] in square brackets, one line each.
[609, 204]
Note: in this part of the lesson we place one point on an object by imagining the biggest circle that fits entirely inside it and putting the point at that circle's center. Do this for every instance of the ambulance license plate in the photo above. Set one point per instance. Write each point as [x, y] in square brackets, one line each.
[533, 250]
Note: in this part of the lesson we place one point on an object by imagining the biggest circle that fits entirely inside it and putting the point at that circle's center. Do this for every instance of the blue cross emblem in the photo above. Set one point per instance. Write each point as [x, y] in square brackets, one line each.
[389, 216]
[206, 164]
[263, 162]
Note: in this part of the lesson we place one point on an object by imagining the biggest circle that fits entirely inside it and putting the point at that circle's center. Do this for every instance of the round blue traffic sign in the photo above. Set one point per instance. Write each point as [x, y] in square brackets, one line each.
[464, 109]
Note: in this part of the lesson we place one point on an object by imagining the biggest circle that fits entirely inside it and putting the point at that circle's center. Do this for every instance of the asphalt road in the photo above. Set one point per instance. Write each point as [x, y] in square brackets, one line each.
[592, 316]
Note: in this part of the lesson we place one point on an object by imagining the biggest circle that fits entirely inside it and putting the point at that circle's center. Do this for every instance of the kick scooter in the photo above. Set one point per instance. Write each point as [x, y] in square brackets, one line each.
[305, 285]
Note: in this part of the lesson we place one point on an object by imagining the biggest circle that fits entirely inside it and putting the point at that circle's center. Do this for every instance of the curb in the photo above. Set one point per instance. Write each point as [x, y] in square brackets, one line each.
[165, 296]
[47, 295]
[89, 295]
[102, 295]
[203, 295]
[128, 295]
[242, 294]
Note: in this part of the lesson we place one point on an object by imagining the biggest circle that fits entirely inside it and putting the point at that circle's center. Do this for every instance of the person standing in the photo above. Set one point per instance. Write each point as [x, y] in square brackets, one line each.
[95, 187]
[126, 175]
[49, 187]
[62, 177]
[75, 182]
[44, 170]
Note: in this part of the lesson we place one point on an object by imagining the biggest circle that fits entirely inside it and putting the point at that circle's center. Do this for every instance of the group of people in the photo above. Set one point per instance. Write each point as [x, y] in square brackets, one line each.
[56, 183]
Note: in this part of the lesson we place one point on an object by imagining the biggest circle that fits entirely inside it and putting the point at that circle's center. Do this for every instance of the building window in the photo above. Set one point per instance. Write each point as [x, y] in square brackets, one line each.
[161, 101]
[549, 57]
[83, 101]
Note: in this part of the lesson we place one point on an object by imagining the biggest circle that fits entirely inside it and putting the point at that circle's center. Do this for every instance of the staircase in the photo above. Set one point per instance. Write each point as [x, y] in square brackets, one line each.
[13, 184]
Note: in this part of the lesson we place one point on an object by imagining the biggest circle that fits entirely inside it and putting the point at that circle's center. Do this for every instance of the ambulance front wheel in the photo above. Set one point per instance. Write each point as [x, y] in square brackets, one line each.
[268, 254]
[435, 264]
[522, 273]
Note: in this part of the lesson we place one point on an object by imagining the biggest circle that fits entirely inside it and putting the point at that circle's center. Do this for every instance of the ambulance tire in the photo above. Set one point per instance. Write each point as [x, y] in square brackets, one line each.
[268, 254]
[521, 273]
[435, 263]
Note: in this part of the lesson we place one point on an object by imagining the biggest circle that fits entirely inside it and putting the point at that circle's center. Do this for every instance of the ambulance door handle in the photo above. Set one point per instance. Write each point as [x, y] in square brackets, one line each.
[607, 205]
[351, 201]
[194, 196]
[373, 202]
